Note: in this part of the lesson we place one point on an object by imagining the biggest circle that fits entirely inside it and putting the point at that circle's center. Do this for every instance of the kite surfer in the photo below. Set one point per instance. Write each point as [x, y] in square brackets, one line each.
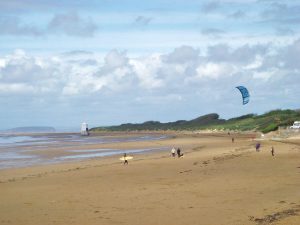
[245, 94]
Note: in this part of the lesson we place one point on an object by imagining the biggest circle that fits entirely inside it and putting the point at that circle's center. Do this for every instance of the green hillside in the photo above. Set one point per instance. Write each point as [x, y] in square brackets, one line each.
[265, 123]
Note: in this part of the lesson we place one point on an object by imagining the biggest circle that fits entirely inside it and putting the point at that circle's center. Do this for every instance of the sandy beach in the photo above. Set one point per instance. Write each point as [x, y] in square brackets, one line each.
[217, 182]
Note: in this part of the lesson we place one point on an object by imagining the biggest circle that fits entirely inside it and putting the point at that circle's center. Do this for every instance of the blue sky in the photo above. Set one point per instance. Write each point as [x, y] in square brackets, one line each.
[110, 62]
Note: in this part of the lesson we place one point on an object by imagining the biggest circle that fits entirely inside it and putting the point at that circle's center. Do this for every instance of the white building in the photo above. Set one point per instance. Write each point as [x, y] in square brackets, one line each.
[84, 129]
[296, 125]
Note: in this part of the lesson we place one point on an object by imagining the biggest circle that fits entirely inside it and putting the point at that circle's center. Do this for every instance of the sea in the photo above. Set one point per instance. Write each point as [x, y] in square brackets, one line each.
[22, 150]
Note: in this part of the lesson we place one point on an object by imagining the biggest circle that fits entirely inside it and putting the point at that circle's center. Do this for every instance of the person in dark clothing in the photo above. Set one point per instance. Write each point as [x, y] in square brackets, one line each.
[179, 154]
[257, 147]
[272, 151]
[125, 160]
[232, 139]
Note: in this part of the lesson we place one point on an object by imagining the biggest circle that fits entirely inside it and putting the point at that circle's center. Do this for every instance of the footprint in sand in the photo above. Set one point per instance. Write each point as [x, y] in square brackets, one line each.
[185, 171]
[205, 162]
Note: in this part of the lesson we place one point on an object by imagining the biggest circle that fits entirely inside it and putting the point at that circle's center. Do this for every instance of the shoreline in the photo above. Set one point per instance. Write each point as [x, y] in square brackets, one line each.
[53, 149]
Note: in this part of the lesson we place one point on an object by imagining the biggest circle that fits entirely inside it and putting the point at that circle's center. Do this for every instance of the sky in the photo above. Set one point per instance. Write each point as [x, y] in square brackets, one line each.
[108, 62]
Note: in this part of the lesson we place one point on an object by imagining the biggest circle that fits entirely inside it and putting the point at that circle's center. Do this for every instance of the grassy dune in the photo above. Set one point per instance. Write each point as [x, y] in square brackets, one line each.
[267, 122]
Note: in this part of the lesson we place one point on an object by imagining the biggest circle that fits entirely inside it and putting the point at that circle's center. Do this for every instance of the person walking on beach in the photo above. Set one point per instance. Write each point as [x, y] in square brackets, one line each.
[179, 152]
[257, 147]
[232, 139]
[173, 151]
[272, 151]
[125, 159]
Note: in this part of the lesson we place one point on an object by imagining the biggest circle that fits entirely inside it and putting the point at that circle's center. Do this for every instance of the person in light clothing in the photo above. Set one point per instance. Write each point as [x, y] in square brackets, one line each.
[173, 152]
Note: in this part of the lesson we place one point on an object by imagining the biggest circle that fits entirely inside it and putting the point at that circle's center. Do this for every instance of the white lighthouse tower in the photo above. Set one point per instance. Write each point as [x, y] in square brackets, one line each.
[84, 129]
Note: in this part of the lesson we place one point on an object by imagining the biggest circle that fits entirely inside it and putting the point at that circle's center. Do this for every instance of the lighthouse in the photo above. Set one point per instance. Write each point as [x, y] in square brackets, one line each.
[84, 129]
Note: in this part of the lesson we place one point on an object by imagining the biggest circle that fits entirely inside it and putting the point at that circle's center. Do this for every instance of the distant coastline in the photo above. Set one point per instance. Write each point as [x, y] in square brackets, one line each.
[31, 129]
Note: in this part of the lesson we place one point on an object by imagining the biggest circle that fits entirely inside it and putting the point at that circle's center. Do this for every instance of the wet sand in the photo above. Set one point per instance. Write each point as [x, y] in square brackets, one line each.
[216, 182]
[20, 150]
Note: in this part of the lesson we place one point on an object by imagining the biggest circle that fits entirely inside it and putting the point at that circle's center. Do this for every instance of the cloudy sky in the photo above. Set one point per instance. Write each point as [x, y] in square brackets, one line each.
[117, 61]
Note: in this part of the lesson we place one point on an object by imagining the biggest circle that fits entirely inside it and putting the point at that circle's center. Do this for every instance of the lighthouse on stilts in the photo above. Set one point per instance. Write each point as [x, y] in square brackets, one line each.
[84, 129]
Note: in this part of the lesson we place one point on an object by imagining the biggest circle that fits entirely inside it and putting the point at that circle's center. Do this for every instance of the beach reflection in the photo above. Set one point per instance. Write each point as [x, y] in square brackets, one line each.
[27, 150]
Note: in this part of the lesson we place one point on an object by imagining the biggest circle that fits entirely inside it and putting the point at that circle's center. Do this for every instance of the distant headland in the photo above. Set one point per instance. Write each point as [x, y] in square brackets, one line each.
[265, 123]
[31, 129]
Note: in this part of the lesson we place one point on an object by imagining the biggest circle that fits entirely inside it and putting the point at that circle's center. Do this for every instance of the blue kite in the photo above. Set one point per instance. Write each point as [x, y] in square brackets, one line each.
[245, 94]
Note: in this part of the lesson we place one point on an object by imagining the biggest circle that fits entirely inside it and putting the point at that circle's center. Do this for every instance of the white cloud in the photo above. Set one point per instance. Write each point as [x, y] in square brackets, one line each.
[257, 62]
[146, 70]
[265, 75]
[2, 63]
[215, 70]
[16, 88]
[117, 72]
[184, 77]
[157, 100]
[182, 54]
[115, 59]
[69, 75]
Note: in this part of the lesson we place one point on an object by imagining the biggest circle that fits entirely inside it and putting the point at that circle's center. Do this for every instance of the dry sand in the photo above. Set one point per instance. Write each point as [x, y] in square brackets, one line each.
[216, 182]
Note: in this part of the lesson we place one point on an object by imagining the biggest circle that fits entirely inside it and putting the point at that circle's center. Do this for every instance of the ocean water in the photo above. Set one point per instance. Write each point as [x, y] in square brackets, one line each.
[24, 150]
